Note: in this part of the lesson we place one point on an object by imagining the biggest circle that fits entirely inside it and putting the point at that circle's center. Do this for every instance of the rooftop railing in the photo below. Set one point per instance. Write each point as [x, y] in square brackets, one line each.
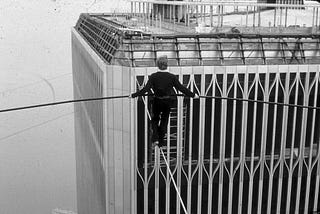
[117, 42]
[212, 16]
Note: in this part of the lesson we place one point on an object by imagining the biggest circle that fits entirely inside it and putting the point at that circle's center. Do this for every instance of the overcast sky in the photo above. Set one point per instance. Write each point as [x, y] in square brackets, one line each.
[37, 160]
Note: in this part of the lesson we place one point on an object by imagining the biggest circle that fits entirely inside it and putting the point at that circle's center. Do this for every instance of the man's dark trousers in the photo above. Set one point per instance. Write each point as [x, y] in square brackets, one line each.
[161, 112]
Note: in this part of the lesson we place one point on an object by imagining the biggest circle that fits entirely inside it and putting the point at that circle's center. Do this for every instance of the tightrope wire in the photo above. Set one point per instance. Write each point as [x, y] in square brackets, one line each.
[173, 181]
[261, 101]
[168, 167]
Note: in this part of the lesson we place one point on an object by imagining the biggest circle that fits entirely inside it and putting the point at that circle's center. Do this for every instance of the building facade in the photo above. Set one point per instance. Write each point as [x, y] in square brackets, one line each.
[249, 145]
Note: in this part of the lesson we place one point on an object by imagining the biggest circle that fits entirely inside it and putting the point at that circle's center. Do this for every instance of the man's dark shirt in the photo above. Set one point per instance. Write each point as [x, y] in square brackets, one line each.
[162, 83]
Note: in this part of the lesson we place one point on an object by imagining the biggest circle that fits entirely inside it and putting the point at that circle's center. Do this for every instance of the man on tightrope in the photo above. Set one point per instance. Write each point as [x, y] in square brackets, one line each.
[162, 83]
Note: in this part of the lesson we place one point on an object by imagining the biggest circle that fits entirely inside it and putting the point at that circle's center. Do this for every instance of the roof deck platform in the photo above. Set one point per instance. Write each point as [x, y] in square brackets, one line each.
[205, 33]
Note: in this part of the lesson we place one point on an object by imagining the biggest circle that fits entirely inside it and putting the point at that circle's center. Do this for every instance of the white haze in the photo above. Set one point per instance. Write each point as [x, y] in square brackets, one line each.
[37, 155]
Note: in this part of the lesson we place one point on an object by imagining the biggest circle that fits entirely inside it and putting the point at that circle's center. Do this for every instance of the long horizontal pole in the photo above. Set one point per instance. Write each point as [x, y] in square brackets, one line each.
[128, 96]
[61, 102]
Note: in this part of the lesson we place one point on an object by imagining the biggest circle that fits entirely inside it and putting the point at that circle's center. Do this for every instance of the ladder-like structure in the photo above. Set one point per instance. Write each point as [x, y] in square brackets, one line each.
[171, 148]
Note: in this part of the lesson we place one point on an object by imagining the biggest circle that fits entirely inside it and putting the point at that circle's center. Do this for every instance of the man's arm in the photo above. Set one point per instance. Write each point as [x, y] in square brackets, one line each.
[145, 89]
[183, 89]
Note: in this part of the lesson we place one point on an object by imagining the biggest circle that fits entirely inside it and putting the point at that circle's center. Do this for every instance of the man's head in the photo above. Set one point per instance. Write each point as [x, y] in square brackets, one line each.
[162, 62]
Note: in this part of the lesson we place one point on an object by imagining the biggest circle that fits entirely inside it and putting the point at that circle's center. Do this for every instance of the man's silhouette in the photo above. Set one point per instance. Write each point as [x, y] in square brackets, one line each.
[162, 83]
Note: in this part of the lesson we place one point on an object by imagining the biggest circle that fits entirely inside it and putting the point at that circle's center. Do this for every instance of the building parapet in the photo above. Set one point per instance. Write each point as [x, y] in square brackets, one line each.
[117, 42]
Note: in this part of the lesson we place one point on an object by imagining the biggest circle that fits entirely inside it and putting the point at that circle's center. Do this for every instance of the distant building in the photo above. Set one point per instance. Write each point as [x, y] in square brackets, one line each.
[227, 155]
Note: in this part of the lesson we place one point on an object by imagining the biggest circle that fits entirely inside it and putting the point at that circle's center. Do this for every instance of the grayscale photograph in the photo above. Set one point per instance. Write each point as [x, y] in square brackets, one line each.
[159, 107]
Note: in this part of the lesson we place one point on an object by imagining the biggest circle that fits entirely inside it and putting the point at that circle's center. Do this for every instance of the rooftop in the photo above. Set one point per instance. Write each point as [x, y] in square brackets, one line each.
[205, 33]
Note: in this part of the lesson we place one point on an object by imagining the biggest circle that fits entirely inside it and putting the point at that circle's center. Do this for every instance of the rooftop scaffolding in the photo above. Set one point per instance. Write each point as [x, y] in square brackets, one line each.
[119, 39]
[205, 33]
[215, 15]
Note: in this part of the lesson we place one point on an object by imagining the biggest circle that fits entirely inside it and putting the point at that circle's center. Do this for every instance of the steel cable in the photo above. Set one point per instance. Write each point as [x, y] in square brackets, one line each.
[176, 95]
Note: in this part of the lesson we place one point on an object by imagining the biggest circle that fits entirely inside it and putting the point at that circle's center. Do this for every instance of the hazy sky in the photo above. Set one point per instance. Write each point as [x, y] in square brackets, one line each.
[37, 160]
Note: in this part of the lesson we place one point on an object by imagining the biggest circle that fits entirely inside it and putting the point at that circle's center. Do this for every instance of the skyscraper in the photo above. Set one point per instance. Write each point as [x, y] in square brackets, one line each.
[249, 145]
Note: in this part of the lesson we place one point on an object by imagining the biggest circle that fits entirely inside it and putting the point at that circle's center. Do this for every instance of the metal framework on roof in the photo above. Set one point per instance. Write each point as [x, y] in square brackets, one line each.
[118, 44]
[197, 33]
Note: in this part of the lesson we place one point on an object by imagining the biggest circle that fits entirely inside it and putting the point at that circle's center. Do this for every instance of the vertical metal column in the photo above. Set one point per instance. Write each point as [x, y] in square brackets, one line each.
[211, 16]
[148, 13]
[156, 179]
[233, 168]
[219, 15]
[197, 14]
[302, 139]
[293, 164]
[131, 7]
[311, 164]
[253, 168]
[187, 16]
[259, 16]
[317, 15]
[201, 143]
[286, 99]
[286, 17]
[139, 10]
[174, 17]
[244, 124]
[280, 17]
[247, 14]
[179, 147]
[133, 149]
[144, 16]
[254, 16]
[222, 10]
[212, 171]
[263, 141]
[190, 173]
[272, 167]
[222, 142]
[146, 146]
[167, 177]
[275, 17]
